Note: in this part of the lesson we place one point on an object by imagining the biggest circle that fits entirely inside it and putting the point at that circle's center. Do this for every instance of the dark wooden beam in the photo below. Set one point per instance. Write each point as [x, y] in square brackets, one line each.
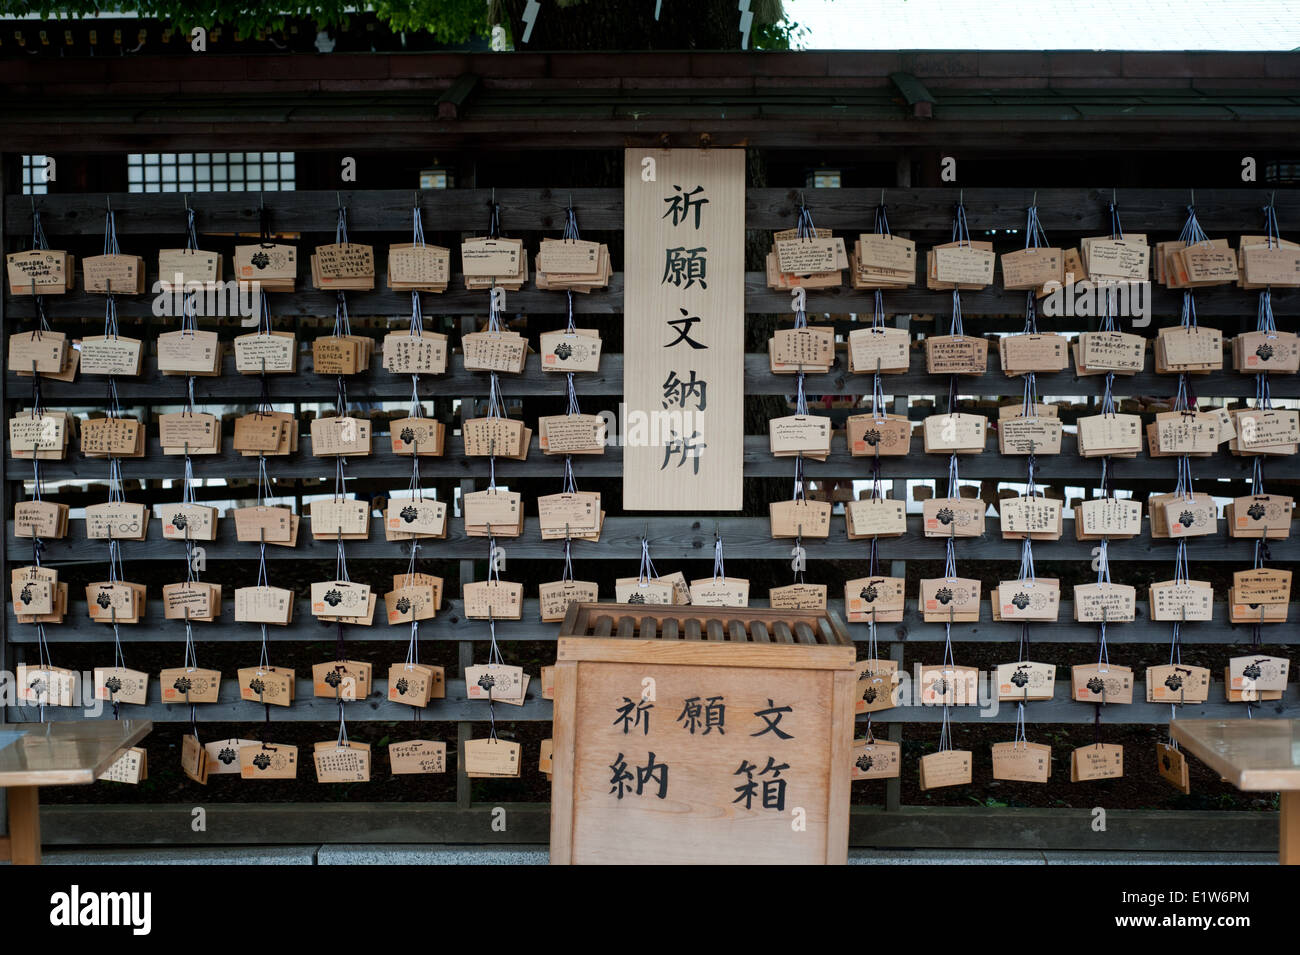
[454, 100]
[914, 91]
[911, 827]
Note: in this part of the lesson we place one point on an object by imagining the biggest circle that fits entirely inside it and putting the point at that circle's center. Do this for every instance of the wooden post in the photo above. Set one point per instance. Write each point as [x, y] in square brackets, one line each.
[894, 786]
[465, 648]
[1288, 841]
[24, 825]
[898, 568]
[6, 507]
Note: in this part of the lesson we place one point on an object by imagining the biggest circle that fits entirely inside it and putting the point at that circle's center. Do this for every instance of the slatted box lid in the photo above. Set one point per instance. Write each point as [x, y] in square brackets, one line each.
[675, 622]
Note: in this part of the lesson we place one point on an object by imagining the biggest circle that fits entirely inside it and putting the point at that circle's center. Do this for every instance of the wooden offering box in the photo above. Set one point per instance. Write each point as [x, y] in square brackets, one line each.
[701, 735]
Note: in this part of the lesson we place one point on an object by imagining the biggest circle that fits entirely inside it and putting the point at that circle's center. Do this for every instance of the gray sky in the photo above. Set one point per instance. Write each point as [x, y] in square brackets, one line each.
[1048, 24]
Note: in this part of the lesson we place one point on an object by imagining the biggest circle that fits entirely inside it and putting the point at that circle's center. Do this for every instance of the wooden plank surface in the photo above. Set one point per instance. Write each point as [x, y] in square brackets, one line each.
[65, 754]
[1252, 754]
[704, 653]
[684, 321]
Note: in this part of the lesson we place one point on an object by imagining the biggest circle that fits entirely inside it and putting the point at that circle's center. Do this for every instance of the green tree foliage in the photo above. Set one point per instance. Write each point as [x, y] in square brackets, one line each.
[562, 25]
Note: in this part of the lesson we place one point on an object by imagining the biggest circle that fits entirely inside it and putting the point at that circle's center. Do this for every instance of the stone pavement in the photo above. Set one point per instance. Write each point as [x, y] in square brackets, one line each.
[537, 855]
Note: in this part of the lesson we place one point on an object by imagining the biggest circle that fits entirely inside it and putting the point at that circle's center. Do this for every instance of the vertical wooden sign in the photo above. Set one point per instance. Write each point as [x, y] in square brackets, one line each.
[683, 329]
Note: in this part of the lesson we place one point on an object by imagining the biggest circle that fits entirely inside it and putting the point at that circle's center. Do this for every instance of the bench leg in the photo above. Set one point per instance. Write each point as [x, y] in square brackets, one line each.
[1288, 843]
[24, 825]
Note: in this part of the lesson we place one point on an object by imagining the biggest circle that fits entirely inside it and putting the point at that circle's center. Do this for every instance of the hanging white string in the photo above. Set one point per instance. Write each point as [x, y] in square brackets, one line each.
[494, 652]
[719, 571]
[496, 404]
[1029, 407]
[342, 741]
[567, 573]
[116, 492]
[110, 233]
[413, 647]
[119, 658]
[1263, 393]
[945, 732]
[417, 314]
[1103, 653]
[110, 316]
[1103, 561]
[647, 570]
[1108, 396]
[341, 561]
[955, 326]
[1035, 238]
[417, 491]
[1026, 575]
[417, 225]
[191, 656]
[960, 227]
[263, 317]
[1180, 561]
[494, 316]
[950, 561]
[800, 491]
[264, 661]
[342, 323]
[38, 231]
[1183, 488]
[1116, 228]
[877, 398]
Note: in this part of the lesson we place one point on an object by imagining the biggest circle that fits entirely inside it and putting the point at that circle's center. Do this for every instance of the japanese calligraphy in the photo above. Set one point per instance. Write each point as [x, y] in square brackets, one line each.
[684, 447]
[678, 392]
[682, 203]
[683, 328]
[652, 775]
[683, 265]
[773, 787]
[631, 715]
[772, 717]
[684, 295]
[711, 714]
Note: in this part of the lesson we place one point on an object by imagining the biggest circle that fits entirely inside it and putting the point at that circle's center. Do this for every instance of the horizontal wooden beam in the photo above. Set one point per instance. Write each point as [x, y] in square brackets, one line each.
[231, 387]
[390, 823]
[451, 625]
[1223, 303]
[671, 539]
[261, 823]
[456, 707]
[1063, 210]
[1066, 467]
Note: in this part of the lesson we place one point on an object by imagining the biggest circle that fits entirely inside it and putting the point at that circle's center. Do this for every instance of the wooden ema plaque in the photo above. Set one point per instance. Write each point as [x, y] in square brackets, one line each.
[690, 735]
